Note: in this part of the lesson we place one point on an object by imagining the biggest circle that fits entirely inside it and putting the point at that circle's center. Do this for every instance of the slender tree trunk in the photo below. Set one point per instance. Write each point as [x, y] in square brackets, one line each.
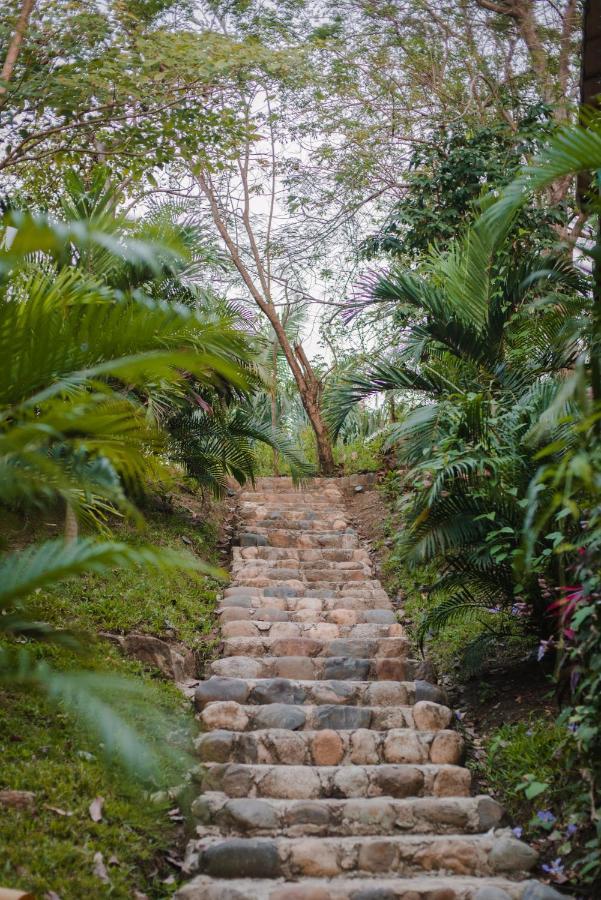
[274, 403]
[71, 524]
[12, 54]
[309, 386]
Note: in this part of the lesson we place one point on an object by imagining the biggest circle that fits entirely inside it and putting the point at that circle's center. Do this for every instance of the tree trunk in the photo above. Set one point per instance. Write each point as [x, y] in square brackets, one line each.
[274, 399]
[71, 524]
[12, 53]
[309, 386]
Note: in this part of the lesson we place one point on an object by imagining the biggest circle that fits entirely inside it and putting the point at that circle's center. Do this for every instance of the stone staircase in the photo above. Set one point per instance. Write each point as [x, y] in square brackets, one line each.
[328, 768]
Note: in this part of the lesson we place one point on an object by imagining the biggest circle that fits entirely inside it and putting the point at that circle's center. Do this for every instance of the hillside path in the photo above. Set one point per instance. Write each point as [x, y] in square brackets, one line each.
[329, 771]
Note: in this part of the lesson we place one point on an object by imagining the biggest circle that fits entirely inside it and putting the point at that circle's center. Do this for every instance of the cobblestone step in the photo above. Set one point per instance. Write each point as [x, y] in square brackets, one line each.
[422, 887]
[311, 616]
[316, 693]
[327, 769]
[233, 716]
[314, 630]
[306, 668]
[215, 812]
[394, 855]
[360, 746]
[311, 782]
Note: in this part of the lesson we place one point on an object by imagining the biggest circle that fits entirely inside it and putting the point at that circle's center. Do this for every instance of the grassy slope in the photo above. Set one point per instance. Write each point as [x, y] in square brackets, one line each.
[44, 751]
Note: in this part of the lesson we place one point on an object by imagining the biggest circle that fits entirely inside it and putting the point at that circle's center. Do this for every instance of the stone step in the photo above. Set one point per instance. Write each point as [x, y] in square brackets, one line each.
[311, 782]
[335, 616]
[394, 855]
[314, 630]
[378, 815]
[263, 525]
[422, 887]
[325, 567]
[297, 596]
[327, 553]
[316, 693]
[325, 577]
[364, 648]
[305, 668]
[326, 747]
[281, 537]
[296, 604]
[233, 716]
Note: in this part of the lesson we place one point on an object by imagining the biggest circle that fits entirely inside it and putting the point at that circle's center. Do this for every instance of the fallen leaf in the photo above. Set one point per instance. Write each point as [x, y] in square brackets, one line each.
[100, 868]
[138, 895]
[178, 863]
[113, 861]
[50, 895]
[18, 799]
[95, 809]
[58, 810]
[169, 880]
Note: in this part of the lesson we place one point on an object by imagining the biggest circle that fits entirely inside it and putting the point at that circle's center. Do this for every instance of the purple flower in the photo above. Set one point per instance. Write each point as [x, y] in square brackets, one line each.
[458, 714]
[546, 816]
[543, 647]
[517, 831]
[529, 733]
[571, 829]
[573, 727]
[555, 868]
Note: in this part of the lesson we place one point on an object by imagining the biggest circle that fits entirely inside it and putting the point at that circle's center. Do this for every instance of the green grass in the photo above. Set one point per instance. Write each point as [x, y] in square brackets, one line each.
[44, 750]
[134, 600]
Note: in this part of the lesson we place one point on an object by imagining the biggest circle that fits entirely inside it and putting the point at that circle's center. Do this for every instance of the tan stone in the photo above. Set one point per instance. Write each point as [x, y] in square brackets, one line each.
[327, 748]
[447, 747]
[452, 782]
[224, 714]
[364, 747]
[313, 858]
[300, 892]
[459, 857]
[430, 716]
[404, 747]
[290, 783]
[377, 856]
[343, 616]
[386, 693]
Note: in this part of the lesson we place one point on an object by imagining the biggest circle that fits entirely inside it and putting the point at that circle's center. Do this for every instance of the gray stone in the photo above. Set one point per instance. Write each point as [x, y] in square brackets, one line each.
[355, 649]
[490, 813]
[242, 858]
[277, 690]
[374, 893]
[280, 590]
[272, 614]
[343, 717]
[509, 855]
[280, 715]
[424, 690]
[220, 688]
[358, 489]
[215, 746]
[533, 890]
[489, 892]
[252, 814]
[340, 667]
[380, 616]
[308, 814]
[253, 540]
[237, 600]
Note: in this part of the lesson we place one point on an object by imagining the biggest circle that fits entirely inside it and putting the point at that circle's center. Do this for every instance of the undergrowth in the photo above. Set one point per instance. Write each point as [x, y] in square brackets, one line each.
[56, 846]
